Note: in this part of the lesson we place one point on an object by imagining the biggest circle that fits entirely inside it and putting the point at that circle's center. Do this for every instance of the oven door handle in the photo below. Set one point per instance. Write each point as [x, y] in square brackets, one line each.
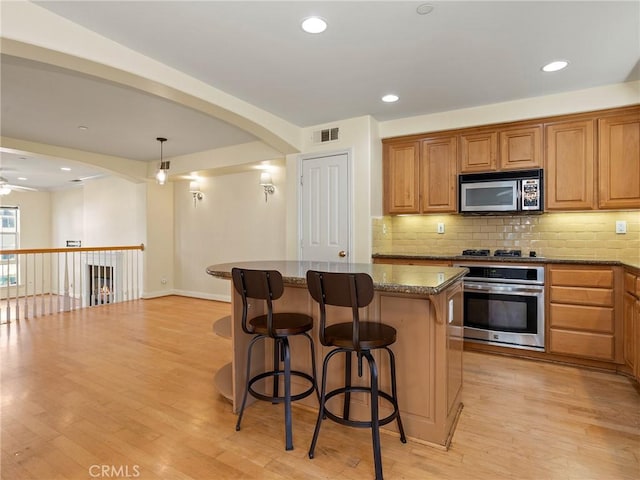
[514, 290]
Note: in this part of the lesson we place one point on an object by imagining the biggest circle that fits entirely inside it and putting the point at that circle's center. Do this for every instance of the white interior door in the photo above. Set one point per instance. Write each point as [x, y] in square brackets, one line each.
[325, 209]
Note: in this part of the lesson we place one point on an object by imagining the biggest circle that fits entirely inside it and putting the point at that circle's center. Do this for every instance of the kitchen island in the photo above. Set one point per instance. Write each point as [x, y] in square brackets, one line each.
[424, 305]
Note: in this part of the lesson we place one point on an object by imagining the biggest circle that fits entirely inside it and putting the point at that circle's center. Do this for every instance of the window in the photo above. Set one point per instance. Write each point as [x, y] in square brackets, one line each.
[9, 229]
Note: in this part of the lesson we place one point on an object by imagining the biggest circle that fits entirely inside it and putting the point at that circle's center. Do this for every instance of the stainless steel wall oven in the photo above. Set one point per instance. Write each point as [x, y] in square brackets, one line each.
[504, 305]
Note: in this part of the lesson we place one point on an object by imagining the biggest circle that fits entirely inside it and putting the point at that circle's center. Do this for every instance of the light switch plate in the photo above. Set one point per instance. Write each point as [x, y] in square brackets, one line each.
[440, 227]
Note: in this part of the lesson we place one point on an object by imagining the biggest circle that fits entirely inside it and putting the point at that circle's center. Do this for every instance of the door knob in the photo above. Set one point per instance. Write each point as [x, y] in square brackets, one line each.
[342, 253]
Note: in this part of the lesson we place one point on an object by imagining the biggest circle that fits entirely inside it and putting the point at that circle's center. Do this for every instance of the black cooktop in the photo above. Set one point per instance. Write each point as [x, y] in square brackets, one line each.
[476, 253]
[487, 253]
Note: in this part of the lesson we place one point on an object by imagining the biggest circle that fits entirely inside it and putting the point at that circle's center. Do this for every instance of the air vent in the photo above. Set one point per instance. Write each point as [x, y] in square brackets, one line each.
[326, 135]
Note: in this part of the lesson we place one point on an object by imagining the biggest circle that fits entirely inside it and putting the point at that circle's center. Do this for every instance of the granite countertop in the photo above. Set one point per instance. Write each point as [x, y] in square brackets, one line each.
[388, 278]
[492, 259]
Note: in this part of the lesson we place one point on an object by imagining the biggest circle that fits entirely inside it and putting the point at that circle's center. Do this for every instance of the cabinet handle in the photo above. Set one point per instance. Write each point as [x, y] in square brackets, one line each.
[342, 253]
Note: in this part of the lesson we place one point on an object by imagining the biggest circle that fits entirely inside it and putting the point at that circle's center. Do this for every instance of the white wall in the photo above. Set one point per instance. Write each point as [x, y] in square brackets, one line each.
[111, 213]
[598, 98]
[232, 223]
[159, 245]
[103, 212]
[67, 212]
[358, 137]
[35, 217]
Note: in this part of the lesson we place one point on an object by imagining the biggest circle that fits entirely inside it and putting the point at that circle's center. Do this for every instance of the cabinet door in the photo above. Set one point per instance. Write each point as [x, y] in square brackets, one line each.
[619, 161]
[629, 345]
[570, 166]
[438, 173]
[478, 152]
[401, 177]
[636, 335]
[521, 148]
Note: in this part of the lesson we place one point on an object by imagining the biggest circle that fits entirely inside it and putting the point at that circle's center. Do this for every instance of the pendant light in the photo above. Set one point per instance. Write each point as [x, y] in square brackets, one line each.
[163, 171]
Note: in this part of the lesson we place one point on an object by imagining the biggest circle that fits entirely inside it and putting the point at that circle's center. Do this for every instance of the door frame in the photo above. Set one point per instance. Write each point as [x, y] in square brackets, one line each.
[350, 199]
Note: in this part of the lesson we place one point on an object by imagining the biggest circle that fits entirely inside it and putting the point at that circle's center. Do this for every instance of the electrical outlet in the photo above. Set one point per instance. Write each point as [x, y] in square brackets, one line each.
[621, 226]
[440, 227]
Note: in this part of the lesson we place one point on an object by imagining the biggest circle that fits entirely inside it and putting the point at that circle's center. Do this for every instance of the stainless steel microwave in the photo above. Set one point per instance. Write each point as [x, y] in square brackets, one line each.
[501, 192]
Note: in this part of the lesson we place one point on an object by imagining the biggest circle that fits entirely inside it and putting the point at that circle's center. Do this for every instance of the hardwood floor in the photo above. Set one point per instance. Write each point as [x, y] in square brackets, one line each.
[126, 391]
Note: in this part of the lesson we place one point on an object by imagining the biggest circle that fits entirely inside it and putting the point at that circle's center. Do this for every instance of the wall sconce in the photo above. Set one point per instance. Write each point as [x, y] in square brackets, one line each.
[267, 183]
[194, 189]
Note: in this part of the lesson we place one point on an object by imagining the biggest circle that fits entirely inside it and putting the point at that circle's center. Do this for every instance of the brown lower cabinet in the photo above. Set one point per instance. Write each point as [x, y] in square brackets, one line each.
[592, 315]
[632, 323]
[582, 312]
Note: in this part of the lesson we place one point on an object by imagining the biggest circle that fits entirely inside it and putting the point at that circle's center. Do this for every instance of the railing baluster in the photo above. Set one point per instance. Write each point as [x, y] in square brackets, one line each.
[42, 288]
[6, 269]
[34, 282]
[51, 290]
[66, 300]
[73, 280]
[82, 263]
[26, 286]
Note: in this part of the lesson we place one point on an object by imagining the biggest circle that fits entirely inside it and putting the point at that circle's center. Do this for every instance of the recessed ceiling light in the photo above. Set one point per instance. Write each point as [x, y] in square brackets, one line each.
[23, 178]
[424, 9]
[390, 98]
[555, 66]
[66, 169]
[82, 127]
[314, 25]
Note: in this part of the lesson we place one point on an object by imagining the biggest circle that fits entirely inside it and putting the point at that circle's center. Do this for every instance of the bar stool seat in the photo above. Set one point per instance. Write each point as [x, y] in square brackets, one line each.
[267, 285]
[354, 291]
[372, 335]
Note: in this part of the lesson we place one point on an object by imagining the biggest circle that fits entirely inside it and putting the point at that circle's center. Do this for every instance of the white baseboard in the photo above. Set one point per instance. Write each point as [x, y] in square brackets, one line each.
[186, 293]
[156, 294]
[204, 296]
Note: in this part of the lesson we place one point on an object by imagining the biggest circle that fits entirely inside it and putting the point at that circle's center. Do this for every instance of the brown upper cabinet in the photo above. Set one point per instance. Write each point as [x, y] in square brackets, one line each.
[570, 165]
[420, 176]
[501, 149]
[521, 148]
[478, 152]
[439, 174]
[591, 161]
[401, 172]
[619, 161]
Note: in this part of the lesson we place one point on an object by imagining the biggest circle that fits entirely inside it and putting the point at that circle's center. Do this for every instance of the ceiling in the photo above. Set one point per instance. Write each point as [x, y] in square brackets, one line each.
[462, 54]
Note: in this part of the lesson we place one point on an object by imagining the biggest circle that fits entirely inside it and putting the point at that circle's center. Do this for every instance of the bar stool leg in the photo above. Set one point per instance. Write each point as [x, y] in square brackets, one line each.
[323, 391]
[277, 348]
[347, 384]
[394, 393]
[375, 426]
[313, 366]
[248, 378]
[287, 393]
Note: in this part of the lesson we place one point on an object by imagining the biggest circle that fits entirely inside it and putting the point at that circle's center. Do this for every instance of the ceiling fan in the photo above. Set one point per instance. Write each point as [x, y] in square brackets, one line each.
[6, 188]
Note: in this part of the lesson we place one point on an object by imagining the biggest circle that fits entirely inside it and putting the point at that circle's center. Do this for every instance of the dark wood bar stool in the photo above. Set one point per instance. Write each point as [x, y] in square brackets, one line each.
[354, 291]
[267, 285]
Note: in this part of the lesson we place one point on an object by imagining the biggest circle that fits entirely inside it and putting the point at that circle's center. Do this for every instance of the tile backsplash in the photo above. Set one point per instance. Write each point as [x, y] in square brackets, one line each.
[583, 235]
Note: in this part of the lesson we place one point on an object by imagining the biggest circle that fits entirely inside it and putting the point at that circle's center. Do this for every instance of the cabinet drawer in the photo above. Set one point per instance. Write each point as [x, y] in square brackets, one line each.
[630, 281]
[577, 317]
[583, 296]
[598, 278]
[590, 345]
